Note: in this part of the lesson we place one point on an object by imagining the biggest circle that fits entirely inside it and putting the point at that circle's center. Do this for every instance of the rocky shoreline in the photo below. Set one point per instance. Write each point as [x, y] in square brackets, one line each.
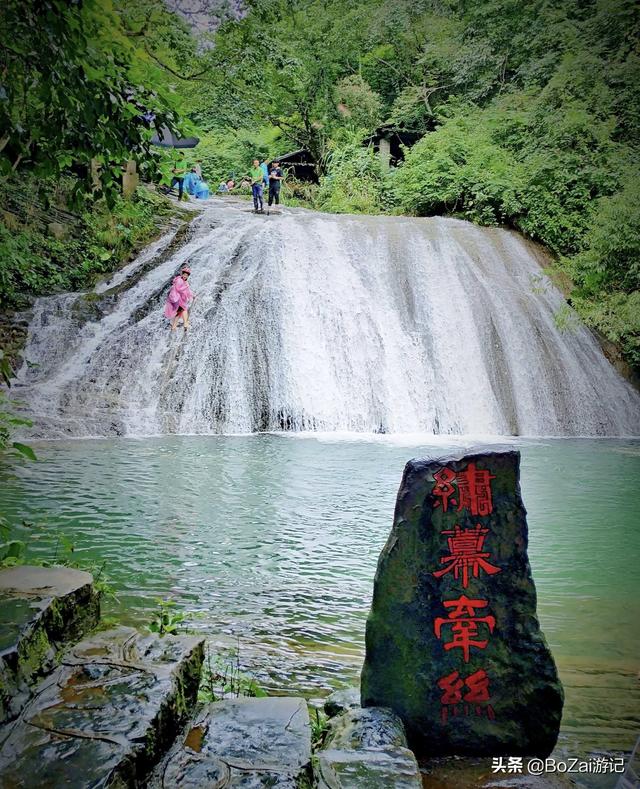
[83, 707]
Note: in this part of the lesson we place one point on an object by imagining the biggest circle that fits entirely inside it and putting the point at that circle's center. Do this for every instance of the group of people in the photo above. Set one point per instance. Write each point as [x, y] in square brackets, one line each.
[262, 176]
[180, 296]
[189, 179]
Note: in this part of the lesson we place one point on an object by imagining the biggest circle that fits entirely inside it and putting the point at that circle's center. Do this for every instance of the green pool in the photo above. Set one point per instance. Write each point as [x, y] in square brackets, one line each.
[270, 542]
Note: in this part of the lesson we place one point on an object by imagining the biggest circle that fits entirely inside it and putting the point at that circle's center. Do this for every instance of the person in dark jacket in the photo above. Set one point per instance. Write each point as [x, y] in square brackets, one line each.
[275, 182]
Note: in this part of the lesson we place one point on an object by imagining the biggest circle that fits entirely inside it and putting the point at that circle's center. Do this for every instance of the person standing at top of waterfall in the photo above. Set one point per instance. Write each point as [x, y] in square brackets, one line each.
[257, 177]
[179, 299]
[275, 182]
[265, 174]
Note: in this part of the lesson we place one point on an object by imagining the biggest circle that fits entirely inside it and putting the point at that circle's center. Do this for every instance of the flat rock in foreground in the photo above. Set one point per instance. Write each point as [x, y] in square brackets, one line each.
[242, 742]
[367, 749]
[106, 715]
[453, 644]
[42, 610]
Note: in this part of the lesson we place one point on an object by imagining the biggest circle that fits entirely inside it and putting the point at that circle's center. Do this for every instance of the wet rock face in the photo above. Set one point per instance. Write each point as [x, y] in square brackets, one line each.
[241, 743]
[106, 715]
[453, 643]
[375, 727]
[367, 749]
[42, 609]
[341, 701]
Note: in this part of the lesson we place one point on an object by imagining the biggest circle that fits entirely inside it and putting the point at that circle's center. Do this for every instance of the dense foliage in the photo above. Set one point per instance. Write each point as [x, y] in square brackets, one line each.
[33, 263]
[353, 181]
[68, 94]
[529, 115]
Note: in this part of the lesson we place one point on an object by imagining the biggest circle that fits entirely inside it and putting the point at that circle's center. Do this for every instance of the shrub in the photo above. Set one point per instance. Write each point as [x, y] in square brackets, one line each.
[460, 169]
[610, 258]
[353, 182]
[33, 264]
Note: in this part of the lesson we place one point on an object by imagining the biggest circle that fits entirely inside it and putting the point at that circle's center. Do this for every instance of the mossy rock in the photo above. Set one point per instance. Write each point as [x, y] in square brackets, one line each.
[106, 714]
[42, 610]
[453, 643]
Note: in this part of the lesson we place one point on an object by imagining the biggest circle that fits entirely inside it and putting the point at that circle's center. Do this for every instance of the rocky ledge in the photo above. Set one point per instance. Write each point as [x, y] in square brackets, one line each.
[42, 610]
[364, 748]
[242, 743]
[106, 714]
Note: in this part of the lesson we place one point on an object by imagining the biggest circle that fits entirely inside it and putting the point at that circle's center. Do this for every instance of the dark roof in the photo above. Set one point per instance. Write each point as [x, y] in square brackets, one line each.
[301, 153]
[294, 153]
[166, 139]
[387, 132]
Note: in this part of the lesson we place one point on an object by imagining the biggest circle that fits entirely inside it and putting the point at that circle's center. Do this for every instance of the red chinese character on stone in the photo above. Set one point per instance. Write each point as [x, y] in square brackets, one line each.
[443, 488]
[478, 691]
[464, 625]
[452, 686]
[465, 547]
[474, 490]
[478, 685]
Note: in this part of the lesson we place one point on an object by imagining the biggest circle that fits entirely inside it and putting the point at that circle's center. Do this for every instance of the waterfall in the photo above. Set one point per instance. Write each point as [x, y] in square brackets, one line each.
[307, 321]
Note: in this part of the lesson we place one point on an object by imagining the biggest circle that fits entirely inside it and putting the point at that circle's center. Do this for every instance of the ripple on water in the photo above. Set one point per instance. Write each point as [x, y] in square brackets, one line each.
[273, 543]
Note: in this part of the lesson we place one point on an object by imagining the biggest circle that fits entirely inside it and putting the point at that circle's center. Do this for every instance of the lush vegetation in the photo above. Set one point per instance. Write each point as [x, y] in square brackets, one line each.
[32, 262]
[527, 115]
[70, 94]
[9, 420]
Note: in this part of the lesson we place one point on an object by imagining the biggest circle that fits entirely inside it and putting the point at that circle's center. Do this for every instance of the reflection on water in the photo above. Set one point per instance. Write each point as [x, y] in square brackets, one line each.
[273, 541]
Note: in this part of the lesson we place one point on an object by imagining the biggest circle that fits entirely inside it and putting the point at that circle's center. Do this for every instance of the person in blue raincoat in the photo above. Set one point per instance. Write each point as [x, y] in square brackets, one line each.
[191, 181]
[202, 190]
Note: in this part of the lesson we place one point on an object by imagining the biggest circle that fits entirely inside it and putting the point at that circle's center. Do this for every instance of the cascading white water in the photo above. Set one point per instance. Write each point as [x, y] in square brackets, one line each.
[307, 321]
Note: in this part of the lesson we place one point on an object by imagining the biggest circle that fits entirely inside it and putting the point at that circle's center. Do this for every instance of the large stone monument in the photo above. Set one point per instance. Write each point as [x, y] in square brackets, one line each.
[453, 641]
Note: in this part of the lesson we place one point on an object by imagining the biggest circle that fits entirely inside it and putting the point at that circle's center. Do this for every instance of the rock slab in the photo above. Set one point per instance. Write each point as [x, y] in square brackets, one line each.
[106, 715]
[42, 609]
[342, 700]
[243, 742]
[453, 644]
[367, 749]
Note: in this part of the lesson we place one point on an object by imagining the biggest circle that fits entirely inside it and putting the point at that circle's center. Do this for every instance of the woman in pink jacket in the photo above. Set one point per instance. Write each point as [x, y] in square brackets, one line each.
[178, 300]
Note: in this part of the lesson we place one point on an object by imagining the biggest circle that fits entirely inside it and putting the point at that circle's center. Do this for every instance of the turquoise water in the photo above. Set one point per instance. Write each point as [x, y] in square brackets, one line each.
[271, 542]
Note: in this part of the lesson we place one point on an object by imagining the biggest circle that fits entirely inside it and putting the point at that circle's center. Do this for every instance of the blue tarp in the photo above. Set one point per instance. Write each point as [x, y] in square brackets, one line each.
[202, 191]
[191, 182]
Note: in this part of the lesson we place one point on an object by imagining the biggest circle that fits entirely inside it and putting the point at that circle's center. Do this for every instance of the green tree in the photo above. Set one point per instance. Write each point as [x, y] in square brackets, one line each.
[358, 104]
[66, 96]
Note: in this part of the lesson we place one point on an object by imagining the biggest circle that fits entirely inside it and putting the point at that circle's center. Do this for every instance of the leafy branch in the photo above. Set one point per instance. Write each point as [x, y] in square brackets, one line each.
[8, 419]
[185, 77]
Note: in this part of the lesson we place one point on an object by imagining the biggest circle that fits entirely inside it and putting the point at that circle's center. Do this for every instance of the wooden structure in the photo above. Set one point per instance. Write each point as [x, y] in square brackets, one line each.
[300, 164]
[389, 143]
